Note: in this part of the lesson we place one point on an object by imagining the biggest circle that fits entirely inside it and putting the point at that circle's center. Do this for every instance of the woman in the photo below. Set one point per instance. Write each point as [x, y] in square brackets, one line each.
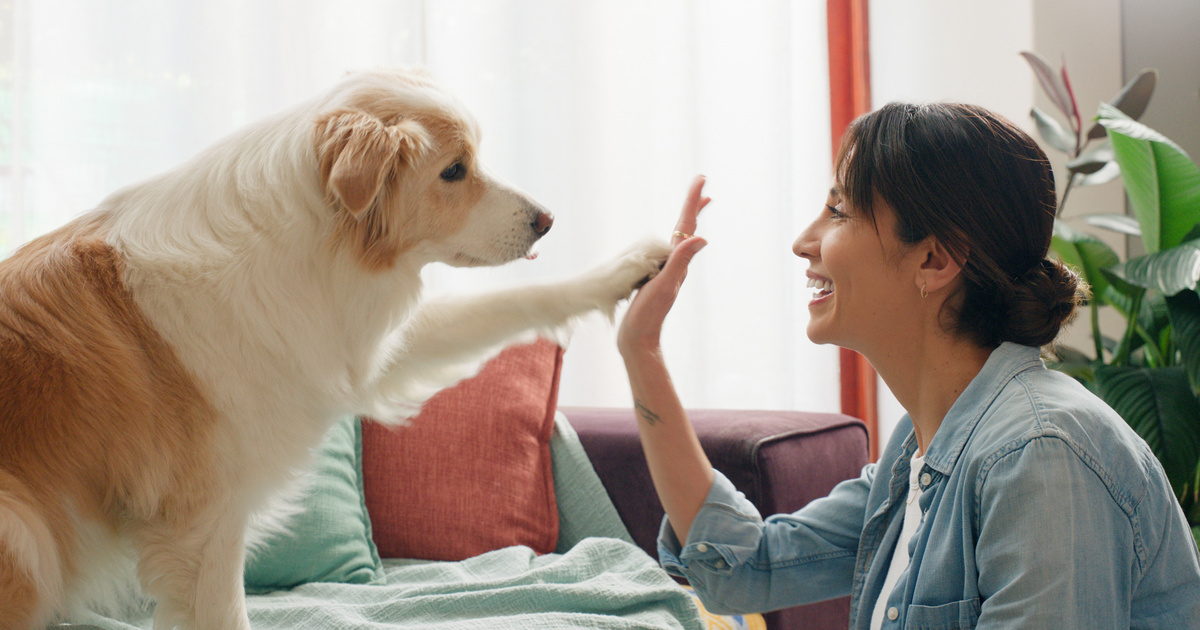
[1009, 496]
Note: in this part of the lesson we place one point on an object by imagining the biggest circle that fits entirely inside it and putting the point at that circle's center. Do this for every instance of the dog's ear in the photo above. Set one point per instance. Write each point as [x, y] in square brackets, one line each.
[357, 151]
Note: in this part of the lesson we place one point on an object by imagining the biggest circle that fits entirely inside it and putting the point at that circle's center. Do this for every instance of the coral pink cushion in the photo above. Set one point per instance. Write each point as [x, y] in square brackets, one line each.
[472, 472]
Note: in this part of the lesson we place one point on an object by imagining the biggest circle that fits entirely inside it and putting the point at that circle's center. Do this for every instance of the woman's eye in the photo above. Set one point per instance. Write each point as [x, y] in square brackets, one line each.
[454, 172]
[834, 212]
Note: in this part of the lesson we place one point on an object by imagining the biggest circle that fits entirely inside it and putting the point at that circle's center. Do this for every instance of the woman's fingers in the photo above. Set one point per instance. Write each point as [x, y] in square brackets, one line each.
[677, 263]
[692, 205]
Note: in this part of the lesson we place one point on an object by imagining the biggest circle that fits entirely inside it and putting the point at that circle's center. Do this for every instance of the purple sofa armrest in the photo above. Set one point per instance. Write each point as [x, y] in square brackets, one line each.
[781, 460]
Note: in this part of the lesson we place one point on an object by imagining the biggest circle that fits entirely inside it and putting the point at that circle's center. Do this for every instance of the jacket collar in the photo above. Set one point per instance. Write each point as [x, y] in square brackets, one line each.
[1002, 366]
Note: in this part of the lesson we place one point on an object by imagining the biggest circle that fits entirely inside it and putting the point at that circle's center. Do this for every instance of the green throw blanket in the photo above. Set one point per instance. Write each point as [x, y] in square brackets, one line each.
[600, 583]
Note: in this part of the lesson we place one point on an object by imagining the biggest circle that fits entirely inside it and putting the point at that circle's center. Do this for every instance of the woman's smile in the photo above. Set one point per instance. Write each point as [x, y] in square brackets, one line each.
[823, 288]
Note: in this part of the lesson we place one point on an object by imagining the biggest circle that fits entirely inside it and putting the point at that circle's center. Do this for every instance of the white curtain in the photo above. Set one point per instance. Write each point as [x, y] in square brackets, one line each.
[602, 110]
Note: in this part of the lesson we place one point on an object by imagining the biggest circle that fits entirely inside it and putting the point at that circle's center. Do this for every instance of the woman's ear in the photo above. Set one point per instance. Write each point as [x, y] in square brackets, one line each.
[938, 268]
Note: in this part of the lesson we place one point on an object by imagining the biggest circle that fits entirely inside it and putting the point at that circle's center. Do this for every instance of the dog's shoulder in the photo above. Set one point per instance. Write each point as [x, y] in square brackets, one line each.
[61, 271]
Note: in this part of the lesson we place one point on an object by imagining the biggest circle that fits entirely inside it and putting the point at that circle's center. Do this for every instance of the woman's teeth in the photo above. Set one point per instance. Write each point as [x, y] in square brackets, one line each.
[822, 286]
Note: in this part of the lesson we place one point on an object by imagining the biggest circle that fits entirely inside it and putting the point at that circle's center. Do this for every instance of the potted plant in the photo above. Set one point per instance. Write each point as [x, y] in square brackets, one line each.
[1149, 371]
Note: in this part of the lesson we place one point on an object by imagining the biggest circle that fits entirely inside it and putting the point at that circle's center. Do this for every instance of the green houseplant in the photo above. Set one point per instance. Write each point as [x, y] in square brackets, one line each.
[1149, 371]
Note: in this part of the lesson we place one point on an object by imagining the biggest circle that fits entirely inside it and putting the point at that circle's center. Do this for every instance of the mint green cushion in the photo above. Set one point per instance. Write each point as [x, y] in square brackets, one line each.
[584, 508]
[330, 539]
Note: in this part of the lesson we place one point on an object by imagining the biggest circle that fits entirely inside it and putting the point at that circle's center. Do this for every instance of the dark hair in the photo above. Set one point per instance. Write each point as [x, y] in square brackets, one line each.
[985, 190]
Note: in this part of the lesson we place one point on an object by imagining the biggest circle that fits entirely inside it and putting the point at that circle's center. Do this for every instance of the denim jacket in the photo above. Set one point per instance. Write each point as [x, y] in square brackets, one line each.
[1042, 509]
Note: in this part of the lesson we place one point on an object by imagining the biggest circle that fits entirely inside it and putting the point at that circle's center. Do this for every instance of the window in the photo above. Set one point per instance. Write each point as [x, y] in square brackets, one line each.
[601, 110]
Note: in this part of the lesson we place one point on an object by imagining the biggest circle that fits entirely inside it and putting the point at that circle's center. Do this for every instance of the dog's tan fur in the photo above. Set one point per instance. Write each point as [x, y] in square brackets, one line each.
[89, 381]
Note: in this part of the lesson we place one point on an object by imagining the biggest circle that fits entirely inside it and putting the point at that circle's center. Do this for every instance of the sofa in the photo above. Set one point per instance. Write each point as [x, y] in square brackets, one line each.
[496, 509]
[780, 460]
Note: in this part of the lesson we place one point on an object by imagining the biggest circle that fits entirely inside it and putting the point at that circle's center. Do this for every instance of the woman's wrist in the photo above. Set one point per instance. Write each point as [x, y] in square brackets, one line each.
[640, 352]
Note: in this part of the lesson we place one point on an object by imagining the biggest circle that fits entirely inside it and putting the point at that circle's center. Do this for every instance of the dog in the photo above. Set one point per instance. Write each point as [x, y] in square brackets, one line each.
[171, 357]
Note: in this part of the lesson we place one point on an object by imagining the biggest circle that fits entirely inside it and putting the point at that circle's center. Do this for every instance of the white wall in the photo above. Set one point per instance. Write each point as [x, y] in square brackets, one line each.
[950, 50]
[1161, 34]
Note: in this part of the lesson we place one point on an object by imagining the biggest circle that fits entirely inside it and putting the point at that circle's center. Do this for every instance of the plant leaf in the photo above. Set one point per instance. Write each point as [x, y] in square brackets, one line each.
[1190, 502]
[1121, 293]
[1121, 223]
[1151, 316]
[1160, 319]
[1194, 234]
[1162, 182]
[1183, 309]
[1111, 171]
[1086, 253]
[1092, 161]
[1135, 96]
[1084, 373]
[1131, 100]
[1052, 132]
[1068, 355]
[1159, 405]
[1168, 272]
[1050, 82]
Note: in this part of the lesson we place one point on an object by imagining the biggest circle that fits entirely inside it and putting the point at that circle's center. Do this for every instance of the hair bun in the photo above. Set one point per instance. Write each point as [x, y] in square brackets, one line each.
[1042, 302]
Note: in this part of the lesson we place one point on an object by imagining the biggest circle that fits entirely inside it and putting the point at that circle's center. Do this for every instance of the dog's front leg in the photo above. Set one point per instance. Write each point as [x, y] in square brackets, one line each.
[448, 338]
[195, 571]
[221, 590]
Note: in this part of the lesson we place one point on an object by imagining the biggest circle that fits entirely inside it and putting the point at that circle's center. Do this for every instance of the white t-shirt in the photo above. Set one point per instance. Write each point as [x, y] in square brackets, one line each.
[912, 521]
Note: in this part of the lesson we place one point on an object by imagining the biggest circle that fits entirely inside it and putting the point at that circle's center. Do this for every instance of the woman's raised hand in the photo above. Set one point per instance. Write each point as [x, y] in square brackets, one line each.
[642, 325]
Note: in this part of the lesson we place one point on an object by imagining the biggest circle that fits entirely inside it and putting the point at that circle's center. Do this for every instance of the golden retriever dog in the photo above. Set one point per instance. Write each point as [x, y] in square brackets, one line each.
[170, 358]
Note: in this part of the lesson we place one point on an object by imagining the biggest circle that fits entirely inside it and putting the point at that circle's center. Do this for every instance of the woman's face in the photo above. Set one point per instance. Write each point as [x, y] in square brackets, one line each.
[863, 277]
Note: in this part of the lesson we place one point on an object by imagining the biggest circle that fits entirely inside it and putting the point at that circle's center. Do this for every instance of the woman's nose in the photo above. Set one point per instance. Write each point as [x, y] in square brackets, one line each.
[807, 245]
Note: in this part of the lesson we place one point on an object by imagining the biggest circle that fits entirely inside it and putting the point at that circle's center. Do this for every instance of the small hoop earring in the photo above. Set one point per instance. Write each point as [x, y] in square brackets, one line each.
[923, 293]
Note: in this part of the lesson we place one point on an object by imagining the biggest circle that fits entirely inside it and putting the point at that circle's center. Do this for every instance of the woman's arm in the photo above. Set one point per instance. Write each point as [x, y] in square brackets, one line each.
[680, 470]
[1054, 549]
[737, 562]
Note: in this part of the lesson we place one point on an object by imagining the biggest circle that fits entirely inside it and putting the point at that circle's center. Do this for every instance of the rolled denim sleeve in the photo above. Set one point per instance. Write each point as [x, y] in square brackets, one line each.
[740, 563]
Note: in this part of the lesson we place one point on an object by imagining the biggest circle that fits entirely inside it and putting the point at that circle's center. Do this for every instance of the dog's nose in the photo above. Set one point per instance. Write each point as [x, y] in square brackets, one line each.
[542, 223]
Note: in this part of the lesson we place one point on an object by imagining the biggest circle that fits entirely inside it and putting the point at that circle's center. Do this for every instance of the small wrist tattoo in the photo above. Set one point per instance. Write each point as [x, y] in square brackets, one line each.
[650, 417]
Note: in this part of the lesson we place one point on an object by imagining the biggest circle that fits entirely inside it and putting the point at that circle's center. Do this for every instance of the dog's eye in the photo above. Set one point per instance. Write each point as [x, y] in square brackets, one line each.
[454, 172]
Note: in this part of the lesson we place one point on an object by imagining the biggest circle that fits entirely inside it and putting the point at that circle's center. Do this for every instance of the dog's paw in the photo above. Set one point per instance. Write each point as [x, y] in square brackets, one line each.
[618, 279]
[643, 261]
